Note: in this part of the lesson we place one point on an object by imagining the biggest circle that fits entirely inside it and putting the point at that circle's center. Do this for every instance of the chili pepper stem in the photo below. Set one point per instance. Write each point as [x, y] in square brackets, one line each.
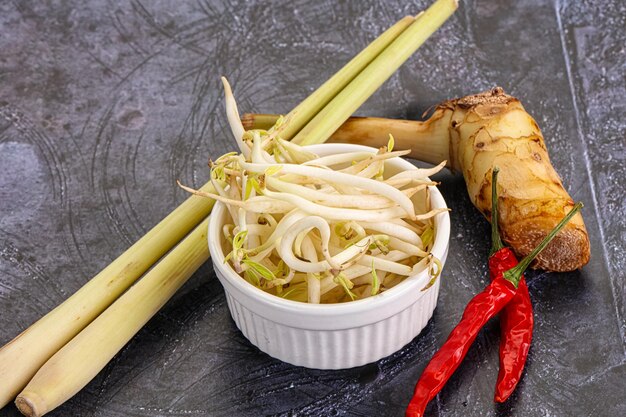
[496, 241]
[514, 274]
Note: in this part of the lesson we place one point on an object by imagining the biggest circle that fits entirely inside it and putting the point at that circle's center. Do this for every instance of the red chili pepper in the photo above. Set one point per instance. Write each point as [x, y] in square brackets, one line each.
[516, 328]
[441, 367]
[480, 309]
[516, 319]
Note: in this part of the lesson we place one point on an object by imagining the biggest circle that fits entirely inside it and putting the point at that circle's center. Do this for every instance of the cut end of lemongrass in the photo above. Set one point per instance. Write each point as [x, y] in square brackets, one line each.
[30, 404]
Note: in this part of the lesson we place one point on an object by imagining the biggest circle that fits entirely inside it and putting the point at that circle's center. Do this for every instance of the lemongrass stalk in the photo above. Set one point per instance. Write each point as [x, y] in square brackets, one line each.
[72, 367]
[340, 108]
[23, 356]
[316, 101]
[257, 121]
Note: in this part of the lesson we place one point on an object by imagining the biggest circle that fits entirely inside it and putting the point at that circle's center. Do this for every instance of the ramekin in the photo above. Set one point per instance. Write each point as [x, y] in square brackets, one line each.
[332, 336]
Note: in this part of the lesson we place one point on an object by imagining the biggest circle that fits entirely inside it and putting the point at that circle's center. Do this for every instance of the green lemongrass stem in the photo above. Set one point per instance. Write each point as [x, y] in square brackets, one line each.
[496, 241]
[23, 356]
[259, 121]
[350, 98]
[514, 275]
[316, 101]
[78, 362]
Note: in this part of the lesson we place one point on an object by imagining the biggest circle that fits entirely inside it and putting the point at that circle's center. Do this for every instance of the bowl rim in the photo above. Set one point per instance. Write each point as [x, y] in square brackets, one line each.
[413, 283]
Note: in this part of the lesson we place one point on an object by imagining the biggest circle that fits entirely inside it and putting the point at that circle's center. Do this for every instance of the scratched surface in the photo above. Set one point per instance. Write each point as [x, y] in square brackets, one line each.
[104, 104]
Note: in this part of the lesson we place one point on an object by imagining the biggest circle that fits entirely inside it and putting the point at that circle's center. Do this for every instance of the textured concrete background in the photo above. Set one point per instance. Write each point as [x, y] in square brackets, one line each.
[104, 104]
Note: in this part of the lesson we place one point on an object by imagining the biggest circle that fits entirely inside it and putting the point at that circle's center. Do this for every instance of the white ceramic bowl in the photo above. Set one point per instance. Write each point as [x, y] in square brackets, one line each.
[332, 336]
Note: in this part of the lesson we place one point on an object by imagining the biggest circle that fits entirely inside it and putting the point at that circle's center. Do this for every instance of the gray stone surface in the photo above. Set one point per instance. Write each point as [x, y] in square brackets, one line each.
[104, 104]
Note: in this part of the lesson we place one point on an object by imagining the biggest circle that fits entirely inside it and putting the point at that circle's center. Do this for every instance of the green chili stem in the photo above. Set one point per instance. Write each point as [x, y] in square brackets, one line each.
[514, 275]
[496, 241]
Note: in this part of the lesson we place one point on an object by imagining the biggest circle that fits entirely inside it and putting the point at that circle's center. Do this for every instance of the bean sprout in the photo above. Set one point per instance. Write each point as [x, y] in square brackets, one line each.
[321, 229]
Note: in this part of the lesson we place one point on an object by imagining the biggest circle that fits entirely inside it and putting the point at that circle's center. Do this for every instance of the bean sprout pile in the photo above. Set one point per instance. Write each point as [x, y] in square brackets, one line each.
[321, 229]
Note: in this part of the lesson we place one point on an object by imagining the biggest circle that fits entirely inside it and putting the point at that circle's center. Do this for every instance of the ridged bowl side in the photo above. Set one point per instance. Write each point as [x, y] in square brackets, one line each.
[334, 349]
